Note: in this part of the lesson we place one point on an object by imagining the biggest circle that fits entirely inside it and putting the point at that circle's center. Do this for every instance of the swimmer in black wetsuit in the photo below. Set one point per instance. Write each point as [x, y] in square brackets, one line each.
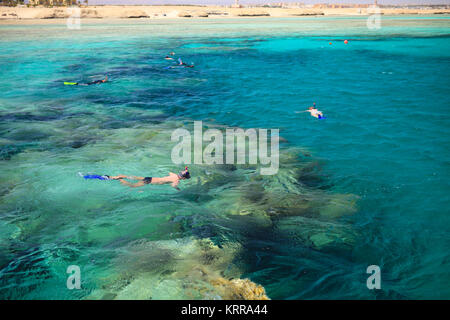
[98, 81]
[172, 178]
[93, 82]
[181, 63]
[169, 58]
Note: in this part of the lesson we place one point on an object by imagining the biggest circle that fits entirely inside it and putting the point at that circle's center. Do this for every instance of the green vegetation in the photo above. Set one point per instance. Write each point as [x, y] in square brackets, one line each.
[11, 3]
[45, 3]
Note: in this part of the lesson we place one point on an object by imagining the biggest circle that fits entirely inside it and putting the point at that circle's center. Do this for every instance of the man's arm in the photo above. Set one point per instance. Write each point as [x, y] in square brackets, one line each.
[121, 176]
[175, 185]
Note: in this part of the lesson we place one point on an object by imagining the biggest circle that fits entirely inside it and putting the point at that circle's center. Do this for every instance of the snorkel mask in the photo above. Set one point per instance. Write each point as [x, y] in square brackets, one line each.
[185, 174]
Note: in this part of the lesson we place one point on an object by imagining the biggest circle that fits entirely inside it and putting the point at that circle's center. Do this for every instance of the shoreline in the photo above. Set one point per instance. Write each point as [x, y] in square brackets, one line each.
[21, 14]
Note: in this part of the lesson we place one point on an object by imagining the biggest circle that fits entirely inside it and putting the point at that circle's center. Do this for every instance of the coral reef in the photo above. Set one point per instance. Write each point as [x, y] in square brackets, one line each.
[239, 289]
[192, 244]
[185, 268]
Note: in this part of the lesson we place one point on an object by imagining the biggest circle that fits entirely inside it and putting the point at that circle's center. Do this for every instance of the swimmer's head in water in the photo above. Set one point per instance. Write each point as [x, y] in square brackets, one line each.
[185, 174]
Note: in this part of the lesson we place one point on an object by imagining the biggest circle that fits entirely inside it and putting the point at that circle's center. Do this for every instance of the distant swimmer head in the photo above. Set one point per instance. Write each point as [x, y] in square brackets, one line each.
[185, 174]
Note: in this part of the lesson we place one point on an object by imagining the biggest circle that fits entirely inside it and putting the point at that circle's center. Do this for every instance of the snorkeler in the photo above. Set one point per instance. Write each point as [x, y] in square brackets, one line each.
[169, 58]
[87, 84]
[98, 81]
[172, 178]
[314, 112]
[181, 63]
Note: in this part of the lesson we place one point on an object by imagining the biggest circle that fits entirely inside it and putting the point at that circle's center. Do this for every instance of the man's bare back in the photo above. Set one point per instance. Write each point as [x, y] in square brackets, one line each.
[172, 178]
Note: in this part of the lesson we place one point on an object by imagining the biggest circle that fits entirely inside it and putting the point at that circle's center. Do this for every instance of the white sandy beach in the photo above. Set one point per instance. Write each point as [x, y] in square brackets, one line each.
[11, 14]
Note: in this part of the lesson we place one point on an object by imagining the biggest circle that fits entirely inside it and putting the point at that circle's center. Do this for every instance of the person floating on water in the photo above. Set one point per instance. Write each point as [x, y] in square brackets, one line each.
[87, 84]
[172, 178]
[170, 58]
[181, 63]
[314, 112]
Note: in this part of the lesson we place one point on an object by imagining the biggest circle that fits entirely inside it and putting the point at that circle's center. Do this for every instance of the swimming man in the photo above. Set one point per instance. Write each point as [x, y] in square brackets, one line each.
[181, 63]
[169, 58]
[93, 82]
[172, 178]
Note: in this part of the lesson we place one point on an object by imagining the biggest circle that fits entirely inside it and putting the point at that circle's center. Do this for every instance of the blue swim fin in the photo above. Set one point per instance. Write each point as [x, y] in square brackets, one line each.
[94, 176]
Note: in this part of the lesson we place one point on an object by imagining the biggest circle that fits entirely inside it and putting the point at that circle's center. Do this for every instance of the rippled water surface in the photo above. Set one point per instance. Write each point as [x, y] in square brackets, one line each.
[368, 185]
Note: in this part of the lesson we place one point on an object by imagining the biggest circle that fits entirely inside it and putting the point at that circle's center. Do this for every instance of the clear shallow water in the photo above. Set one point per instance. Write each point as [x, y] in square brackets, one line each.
[385, 143]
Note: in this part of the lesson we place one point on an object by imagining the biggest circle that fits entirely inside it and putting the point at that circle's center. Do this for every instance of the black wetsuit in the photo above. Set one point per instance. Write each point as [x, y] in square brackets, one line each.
[89, 83]
[95, 82]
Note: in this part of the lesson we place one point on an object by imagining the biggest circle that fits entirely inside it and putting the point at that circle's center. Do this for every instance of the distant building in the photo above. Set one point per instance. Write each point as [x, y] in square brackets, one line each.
[236, 4]
[54, 3]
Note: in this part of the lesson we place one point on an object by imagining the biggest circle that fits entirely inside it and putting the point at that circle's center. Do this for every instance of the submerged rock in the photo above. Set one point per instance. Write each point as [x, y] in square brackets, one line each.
[7, 151]
[179, 269]
[314, 233]
[339, 205]
[239, 289]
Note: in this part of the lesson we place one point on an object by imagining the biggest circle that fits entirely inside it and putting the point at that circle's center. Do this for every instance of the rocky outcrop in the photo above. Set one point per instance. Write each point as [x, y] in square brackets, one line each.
[201, 15]
[217, 13]
[252, 13]
[307, 13]
[184, 14]
[9, 15]
[90, 13]
[134, 14]
[53, 14]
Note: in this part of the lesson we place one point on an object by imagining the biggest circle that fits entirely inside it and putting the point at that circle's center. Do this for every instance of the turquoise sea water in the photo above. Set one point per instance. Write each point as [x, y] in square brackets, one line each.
[367, 186]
